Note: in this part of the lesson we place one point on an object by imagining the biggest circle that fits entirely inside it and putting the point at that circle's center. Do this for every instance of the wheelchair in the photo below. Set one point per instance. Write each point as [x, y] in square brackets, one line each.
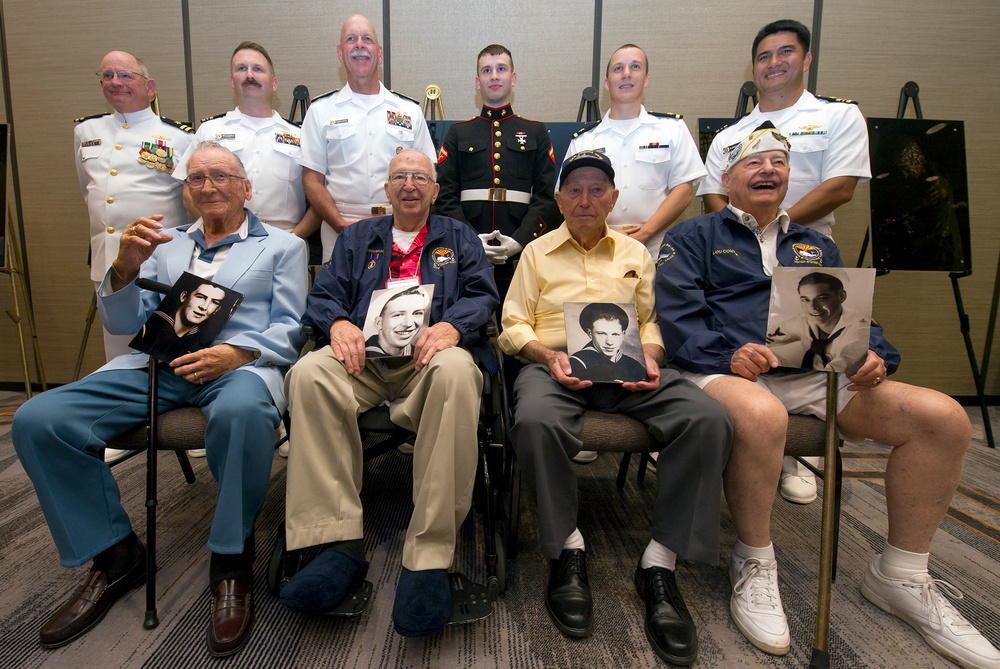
[470, 601]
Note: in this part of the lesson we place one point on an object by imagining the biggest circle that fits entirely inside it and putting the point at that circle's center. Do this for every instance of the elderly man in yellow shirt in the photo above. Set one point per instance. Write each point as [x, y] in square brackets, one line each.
[583, 261]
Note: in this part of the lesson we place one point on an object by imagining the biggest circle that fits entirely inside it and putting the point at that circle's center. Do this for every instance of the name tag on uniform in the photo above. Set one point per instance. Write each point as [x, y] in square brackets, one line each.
[338, 121]
[91, 142]
[225, 135]
[402, 283]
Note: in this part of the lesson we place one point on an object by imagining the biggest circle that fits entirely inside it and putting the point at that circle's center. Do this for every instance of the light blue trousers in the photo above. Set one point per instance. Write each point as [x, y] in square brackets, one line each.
[60, 437]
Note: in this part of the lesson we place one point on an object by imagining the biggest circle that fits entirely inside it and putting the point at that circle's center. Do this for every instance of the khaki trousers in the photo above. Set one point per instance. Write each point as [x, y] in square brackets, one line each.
[440, 403]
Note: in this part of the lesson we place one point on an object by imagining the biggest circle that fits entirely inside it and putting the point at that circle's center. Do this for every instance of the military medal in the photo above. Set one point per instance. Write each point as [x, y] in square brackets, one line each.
[157, 156]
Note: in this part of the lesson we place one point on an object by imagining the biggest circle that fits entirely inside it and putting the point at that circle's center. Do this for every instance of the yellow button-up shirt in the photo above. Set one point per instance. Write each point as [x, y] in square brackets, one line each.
[555, 269]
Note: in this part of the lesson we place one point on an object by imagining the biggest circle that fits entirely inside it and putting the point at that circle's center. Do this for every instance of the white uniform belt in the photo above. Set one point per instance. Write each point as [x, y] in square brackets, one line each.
[496, 195]
[359, 211]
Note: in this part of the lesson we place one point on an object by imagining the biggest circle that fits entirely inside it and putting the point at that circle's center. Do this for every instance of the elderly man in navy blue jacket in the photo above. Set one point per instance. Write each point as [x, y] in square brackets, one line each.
[712, 291]
[436, 394]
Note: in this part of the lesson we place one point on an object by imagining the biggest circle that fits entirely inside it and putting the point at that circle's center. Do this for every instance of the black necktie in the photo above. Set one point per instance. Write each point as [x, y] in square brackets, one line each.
[818, 348]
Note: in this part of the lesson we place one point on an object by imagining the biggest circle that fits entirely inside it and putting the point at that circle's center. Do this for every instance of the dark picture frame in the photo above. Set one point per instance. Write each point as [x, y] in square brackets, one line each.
[919, 195]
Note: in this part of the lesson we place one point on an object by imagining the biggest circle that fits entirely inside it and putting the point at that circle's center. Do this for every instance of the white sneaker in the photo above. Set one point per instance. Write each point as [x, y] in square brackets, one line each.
[756, 604]
[585, 457]
[797, 489]
[197, 453]
[283, 450]
[919, 601]
[405, 448]
[113, 455]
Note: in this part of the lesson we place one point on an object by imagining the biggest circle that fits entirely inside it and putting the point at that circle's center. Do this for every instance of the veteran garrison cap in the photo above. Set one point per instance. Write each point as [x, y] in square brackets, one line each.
[764, 137]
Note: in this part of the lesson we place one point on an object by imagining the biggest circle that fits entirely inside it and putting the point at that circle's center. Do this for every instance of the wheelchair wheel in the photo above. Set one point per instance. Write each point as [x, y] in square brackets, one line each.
[496, 585]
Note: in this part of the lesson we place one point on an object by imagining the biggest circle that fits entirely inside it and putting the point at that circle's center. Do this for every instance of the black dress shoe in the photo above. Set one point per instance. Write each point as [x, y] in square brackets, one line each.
[88, 605]
[568, 596]
[669, 627]
[232, 617]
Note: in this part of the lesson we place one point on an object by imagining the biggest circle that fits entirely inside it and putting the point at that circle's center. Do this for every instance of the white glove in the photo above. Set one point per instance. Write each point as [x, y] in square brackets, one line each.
[486, 238]
[501, 253]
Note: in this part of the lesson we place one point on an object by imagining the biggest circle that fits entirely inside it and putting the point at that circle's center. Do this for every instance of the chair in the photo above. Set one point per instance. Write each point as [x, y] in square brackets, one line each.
[177, 430]
[604, 433]
[180, 430]
[185, 432]
[806, 437]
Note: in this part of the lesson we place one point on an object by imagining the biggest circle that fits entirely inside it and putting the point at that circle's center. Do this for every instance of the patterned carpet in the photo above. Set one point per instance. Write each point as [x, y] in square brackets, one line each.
[966, 552]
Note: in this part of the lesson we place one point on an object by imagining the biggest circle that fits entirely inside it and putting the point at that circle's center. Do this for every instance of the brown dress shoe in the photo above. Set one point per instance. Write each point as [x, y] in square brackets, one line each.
[88, 605]
[232, 617]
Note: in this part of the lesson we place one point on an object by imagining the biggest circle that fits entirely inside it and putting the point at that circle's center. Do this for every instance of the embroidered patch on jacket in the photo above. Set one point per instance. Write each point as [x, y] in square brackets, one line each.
[442, 256]
[807, 254]
[667, 252]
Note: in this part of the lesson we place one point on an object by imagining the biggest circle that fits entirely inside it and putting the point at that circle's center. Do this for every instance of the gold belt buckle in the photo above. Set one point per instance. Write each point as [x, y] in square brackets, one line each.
[378, 210]
[497, 195]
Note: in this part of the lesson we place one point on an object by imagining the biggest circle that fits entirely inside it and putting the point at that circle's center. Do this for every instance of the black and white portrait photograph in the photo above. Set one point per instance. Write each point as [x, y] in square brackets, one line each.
[188, 318]
[820, 318]
[396, 318]
[603, 342]
[919, 195]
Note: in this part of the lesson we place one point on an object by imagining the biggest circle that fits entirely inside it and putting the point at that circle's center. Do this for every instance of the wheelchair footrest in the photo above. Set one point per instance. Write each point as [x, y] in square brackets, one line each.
[355, 602]
[469, 601]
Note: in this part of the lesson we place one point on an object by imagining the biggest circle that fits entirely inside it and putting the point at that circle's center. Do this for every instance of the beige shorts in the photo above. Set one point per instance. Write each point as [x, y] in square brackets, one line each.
[800, 393]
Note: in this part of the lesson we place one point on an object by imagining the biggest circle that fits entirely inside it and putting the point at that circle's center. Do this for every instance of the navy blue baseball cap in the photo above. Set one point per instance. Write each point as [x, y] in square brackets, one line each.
[587, 158]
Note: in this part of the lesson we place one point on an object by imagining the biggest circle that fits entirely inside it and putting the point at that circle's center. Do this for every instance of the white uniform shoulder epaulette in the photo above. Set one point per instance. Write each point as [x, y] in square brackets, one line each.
[586, 128]
[830, 98]
[325, 95]
[666, 114]
[87, 118]
[212, 118]
[177, 124]
[400, 95]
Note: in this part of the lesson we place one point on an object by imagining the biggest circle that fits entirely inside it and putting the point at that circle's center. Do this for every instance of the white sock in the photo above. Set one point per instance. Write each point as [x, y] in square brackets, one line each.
[899, 564]
[658, 555]
[574, 541]
[742, 552]
[790, 465]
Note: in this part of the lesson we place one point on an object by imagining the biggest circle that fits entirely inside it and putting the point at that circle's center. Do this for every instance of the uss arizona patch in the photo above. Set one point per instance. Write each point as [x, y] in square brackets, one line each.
[442, 256]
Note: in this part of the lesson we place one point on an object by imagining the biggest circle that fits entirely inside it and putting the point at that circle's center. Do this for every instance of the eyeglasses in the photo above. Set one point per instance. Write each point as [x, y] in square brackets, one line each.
[197, 182]
[124, 76]
[419, 178]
